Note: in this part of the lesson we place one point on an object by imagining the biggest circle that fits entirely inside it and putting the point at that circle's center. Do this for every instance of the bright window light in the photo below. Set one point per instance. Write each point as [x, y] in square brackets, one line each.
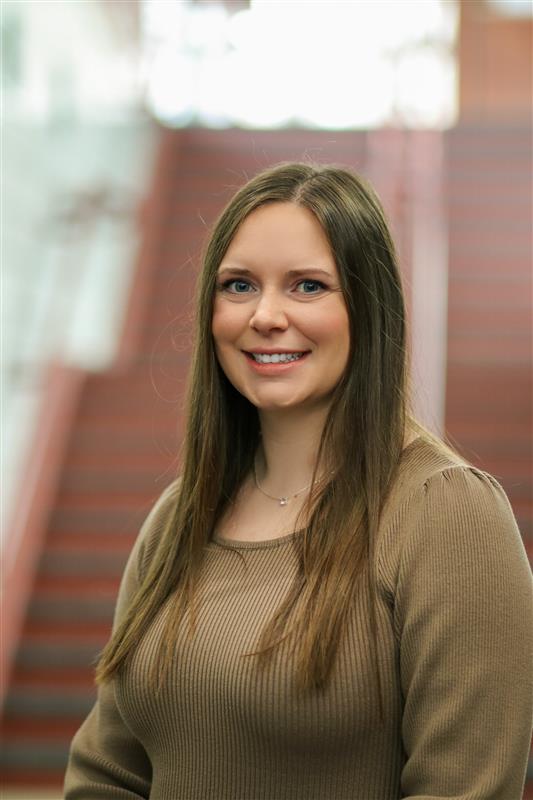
[513, 8]
[351, 64]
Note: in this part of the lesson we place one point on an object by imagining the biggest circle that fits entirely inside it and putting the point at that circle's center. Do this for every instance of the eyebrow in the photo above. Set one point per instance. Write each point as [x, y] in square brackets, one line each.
[292, 273]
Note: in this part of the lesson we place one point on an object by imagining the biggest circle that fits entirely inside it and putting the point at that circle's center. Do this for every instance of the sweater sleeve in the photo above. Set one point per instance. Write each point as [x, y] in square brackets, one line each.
[463, 615]
[106, 760]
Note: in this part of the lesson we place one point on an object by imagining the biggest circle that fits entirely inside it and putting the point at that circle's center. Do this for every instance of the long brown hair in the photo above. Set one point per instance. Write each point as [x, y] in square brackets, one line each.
[360, 446]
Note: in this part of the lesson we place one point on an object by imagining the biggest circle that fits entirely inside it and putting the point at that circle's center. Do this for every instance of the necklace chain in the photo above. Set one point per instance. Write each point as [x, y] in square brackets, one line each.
[283, 501]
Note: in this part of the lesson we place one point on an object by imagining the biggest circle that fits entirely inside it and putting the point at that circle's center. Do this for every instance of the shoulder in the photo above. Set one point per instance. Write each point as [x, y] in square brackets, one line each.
[150, 534]
[432, 476]
[154, 526]
[442, 509]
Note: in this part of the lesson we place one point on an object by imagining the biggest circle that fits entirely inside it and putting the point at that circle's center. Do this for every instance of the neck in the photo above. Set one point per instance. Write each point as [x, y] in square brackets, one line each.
[288, 450]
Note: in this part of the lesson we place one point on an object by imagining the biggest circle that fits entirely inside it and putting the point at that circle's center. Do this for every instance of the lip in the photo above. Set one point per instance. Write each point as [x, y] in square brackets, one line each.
[265, 351]
[273, 369]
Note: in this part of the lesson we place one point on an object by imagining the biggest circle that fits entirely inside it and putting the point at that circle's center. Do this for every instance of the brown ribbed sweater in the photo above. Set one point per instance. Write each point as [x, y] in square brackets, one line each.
[456, 644]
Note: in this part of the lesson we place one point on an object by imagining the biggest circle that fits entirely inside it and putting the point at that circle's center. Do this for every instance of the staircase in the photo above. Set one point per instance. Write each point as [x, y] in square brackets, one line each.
[123, 448]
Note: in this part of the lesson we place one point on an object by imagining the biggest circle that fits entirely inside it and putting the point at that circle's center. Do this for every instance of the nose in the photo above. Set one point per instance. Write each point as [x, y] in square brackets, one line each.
[269, 313]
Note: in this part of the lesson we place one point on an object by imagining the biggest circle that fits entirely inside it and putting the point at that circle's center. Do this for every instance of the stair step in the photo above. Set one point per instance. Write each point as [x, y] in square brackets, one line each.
[142, 403]
[140, 379]
[85, 611]
[161, 461]
[112, 501]
[61, 630]
[48, 757]
[153, 422]
[104, 585]
[98, 521]
[142, 442]
[21, 729]
[78, 543]
[72, 652]
[92, 482]
[61, 703]
[67, 563]
[24, 678]
[24, 784]
[113, 398]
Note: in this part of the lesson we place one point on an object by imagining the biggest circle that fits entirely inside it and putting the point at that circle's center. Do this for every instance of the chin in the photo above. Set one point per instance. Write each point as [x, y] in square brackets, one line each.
[302, 404]
[275, 403]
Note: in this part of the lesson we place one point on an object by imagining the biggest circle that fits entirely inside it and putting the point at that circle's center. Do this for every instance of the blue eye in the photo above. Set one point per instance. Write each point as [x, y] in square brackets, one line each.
[310, 287]
[236, 286]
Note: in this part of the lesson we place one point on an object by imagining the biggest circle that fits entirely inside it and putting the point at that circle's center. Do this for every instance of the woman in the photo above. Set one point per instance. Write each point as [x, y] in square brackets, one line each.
[329, 603]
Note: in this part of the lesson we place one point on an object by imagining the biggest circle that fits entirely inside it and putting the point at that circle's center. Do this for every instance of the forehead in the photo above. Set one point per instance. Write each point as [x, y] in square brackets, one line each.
[284, 233]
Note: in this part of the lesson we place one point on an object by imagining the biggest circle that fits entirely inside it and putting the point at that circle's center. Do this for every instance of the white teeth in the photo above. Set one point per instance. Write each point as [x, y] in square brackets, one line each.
[275, 358]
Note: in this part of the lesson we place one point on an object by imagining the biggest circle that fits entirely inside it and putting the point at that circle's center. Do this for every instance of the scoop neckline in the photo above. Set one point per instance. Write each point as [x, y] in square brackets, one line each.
[260, 544]
[279, 541]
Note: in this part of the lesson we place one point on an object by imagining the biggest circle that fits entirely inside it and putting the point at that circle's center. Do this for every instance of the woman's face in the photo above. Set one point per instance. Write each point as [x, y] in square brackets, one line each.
[280, 323]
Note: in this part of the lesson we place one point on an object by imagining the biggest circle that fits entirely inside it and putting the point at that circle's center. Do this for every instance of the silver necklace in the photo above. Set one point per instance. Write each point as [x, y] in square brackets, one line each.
[283, 501]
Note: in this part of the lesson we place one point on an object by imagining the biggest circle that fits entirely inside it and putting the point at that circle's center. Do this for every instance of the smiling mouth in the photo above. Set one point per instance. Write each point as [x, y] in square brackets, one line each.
[276, 358]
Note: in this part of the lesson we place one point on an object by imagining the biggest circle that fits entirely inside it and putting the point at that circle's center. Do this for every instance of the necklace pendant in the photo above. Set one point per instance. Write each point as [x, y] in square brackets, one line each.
[283, 501]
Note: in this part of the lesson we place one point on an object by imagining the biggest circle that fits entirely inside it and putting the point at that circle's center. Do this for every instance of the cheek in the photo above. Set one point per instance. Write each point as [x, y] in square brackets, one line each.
[226, 324]
[226, 329]
[336, 336]
[219, 326]
[338, 328]
[333, 329]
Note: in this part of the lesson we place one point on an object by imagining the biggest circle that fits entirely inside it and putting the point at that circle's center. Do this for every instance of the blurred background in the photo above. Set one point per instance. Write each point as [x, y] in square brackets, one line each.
[127, 125]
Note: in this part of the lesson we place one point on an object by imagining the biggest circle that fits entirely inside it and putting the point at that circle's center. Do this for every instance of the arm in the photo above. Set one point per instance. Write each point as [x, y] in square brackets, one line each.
[106, 761]
[464, 614]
